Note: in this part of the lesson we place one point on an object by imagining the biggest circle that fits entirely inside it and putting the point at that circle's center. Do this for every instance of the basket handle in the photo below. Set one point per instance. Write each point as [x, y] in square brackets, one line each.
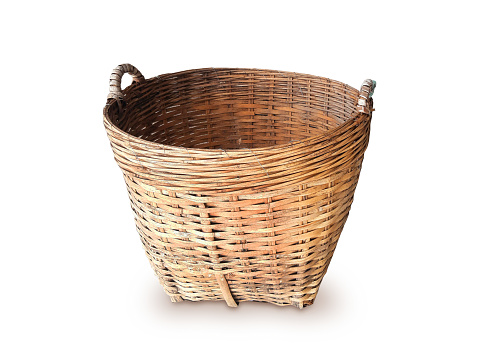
[367, 90]
[117, 74]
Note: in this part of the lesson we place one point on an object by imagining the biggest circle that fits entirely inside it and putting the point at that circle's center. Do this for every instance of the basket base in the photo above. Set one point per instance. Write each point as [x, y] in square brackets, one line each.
[298, 304]
[303, 300]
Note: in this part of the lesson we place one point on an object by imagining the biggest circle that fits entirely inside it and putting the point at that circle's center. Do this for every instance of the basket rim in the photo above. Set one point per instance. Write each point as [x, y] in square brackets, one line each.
[355, 115]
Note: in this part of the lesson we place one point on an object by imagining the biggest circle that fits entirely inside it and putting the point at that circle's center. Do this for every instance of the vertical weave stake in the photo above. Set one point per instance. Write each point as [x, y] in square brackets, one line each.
[241, 180]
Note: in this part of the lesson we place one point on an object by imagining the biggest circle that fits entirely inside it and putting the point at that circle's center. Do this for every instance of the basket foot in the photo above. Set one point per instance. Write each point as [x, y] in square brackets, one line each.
[176, 298]
[225, 290]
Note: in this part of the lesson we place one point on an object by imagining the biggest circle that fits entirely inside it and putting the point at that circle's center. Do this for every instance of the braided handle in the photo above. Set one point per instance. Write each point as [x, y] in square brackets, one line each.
[117, 74]
[367, 90]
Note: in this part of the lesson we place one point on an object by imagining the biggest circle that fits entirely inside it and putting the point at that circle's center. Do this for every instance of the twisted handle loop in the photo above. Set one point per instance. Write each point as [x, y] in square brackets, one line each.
[117, 74]
[367, 90]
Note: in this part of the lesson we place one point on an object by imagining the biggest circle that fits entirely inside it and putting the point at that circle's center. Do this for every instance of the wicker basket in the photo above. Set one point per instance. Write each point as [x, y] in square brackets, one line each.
[241, 180]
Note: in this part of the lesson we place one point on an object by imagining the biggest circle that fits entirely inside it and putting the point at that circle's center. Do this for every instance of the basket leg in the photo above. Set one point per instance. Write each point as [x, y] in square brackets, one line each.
[225, 290]
[176, 298]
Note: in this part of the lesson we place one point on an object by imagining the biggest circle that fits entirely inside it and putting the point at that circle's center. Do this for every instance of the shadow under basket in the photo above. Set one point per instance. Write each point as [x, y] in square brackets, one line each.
[241, 180]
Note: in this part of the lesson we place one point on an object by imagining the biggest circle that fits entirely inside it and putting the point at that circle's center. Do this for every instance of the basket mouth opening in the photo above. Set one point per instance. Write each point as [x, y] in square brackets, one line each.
[232, 109]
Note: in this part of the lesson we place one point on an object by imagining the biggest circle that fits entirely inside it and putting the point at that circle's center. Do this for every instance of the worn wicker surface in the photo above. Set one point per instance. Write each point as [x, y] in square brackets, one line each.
[241, 180]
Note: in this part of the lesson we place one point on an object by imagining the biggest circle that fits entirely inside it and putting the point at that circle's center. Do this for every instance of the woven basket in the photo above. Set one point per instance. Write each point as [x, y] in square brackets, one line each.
[241, 180]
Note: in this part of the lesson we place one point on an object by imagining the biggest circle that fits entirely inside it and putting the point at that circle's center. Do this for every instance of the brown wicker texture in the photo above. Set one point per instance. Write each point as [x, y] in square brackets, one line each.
[241, 180]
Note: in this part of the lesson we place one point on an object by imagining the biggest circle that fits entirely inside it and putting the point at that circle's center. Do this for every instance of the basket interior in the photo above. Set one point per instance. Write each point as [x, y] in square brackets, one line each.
[233, 108]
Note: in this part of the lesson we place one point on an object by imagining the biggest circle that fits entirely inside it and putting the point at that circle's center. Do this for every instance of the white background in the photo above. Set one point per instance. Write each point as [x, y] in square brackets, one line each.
[404, 279]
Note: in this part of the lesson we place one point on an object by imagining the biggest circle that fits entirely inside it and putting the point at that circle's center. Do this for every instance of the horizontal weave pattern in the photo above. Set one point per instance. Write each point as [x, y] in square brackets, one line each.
[241, 180]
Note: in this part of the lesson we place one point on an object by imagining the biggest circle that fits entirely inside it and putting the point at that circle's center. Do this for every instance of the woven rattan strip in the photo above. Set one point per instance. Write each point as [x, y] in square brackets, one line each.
[240, 180]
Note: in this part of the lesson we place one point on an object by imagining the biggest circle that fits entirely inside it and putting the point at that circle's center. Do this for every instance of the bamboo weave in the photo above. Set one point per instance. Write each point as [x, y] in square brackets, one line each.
[240, 180]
